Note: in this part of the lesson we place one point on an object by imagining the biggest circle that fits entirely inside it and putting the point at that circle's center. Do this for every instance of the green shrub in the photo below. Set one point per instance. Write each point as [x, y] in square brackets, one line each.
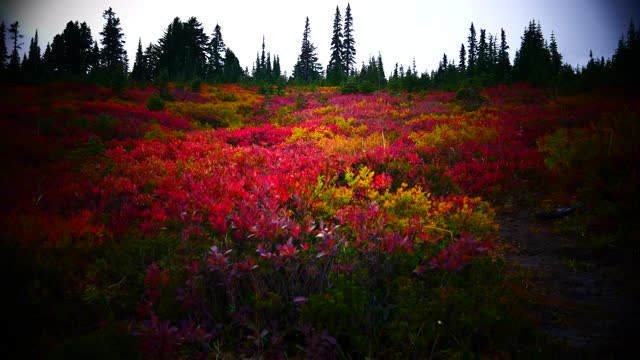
[155, 103]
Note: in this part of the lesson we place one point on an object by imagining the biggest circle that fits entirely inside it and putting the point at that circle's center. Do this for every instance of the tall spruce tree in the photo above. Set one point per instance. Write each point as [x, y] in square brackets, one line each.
[482, 66]
[3, 47]
[335, 69]
[33, 64]
[232, 72]
[307, 68]
[462, 59]
[349, 43]
[14, 34]
[504, 64]
[532, 62]
[112, 53]
[556, 57]
[217, 50]
[139, 70]
[472, 51]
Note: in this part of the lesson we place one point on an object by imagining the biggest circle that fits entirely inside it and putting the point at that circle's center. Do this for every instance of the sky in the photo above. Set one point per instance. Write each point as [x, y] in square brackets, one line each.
[400, 30]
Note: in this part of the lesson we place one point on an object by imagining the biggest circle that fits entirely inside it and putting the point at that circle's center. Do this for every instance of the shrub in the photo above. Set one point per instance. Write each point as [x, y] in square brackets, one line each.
[155, 103]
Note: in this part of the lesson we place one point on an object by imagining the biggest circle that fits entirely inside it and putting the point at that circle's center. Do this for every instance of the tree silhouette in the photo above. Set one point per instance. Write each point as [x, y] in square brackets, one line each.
[462, 59]
[504, 64]
[112, 53]
[335, 69]
[3, 47]
[349, 43]
[14, 34]
[307, 68]
[217, 49]
[139, 70]
[472, 52]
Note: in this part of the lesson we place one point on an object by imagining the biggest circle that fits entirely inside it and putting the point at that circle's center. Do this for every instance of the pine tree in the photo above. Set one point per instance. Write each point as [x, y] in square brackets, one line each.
[504, 64]
[532, 62]
[216, 56]
[307, 68]
[14, 34]
[482, 66]
[335, 69]
[33, 63]
[556, 57]
[139, 64]
[232, 72]
[349, 43]
[3, 47]
[472, 51]
[112, 53]
[462, 59]
[382, 80]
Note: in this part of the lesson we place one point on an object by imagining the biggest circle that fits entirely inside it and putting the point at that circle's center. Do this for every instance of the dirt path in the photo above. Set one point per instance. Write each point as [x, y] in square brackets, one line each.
[585, 299]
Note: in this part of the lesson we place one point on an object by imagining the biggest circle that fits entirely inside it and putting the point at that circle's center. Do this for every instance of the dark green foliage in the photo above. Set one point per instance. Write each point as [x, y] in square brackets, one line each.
[112, 55]
[532, 62]
[14, 58]
[472, 53]
[182, 51]
[216, 55]
[155, 103]
[140, 68]
[307, 69]
[232, 71]
[349, 43]
[3, 47]
[336, 68]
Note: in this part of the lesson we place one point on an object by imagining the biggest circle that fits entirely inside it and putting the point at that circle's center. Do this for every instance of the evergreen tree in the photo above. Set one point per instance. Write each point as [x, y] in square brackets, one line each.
[196, 47]
[232, 72]
[14, 34]
[462, 59]
[335, 69]
[307, 68]
[556, 57]
[216, 56]
[33, 63]
[349, 43]
[504, 64]
[482, 66]
[112, 53]
[139, 70]
[472, 52]
[277, 72]
[181, 53]
[532, 62]
[382, 80]
[3, 47]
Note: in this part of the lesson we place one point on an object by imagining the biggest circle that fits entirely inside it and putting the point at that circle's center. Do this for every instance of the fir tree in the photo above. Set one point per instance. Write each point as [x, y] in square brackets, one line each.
[462, 59]
[139, 70]
[232, 72]
[3, 47]
[217, 49]
[112, 53]
[472, 52]
[482, 66]
[556, 57]
[307, 68]
[349, 43]
[504, 64]
[335, 69]
[14, 34]
[33, 64]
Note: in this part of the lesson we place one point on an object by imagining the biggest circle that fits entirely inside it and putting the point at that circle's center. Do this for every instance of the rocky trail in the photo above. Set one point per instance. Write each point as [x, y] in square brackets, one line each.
[584, 298]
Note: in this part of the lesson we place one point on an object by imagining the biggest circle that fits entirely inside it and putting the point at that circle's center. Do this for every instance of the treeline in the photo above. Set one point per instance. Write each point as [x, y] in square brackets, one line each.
[187, 54]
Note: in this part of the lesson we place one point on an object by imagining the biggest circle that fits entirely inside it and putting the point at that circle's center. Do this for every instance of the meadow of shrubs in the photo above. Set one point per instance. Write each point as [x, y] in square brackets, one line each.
[171, 223]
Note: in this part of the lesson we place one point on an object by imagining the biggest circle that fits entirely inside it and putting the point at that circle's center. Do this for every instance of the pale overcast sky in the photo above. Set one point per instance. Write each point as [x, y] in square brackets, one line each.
[400, 30]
